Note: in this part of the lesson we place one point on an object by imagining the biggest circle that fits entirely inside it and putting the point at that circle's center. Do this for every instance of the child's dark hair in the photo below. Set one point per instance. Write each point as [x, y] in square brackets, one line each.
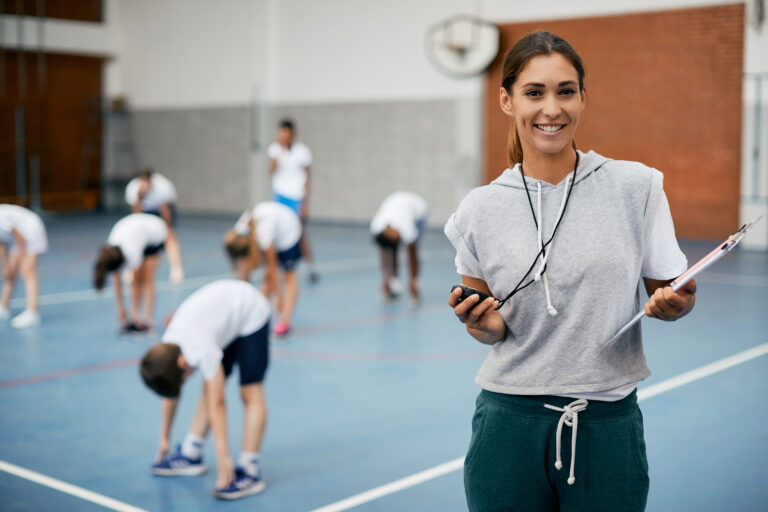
[385, 242]
[110, 259]
[146, 173]
[160, 370]
[236, 245]
[287, 123]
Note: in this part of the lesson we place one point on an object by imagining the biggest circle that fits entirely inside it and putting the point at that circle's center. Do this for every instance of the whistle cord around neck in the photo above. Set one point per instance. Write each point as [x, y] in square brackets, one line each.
[520, 286]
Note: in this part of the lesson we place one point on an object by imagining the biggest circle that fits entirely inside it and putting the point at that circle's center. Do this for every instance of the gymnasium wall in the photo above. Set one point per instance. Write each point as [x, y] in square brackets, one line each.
[346, 70]
[668, 96]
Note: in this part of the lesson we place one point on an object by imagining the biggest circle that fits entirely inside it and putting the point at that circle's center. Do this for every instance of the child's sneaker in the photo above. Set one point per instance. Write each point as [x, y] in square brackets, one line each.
[282, 329]
[176, 464]
[244, 485]
[5, 313]
[26, 318]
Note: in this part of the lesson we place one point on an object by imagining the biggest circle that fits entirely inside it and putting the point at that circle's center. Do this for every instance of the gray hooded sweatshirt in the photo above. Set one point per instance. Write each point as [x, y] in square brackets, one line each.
[593, 274]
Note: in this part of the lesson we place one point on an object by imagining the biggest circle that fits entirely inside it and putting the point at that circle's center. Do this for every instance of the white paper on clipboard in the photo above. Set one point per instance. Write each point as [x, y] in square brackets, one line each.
[717, 253]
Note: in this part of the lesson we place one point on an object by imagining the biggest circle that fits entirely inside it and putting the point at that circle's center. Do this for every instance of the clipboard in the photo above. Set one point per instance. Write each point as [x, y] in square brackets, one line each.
[717, 253]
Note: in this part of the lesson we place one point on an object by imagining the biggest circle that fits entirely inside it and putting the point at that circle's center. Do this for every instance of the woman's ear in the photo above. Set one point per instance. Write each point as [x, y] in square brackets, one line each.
[505, 102]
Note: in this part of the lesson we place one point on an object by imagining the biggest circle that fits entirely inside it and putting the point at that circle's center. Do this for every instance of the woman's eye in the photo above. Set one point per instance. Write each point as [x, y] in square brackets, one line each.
[567, 92]
[533, 94]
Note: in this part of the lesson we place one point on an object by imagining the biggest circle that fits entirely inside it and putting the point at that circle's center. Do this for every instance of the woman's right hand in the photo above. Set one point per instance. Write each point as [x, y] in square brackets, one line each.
[483, 321]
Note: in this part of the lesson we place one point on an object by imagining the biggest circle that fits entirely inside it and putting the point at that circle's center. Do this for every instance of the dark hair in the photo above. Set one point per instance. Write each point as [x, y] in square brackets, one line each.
[110, 259]
[146, 173]
[287, 123]
[385, 242]
[160, 370]
[236, 245]
[530, 46]
[239, 246]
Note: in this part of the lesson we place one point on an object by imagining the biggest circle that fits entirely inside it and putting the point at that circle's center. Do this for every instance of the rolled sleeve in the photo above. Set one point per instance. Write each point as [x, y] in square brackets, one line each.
[466, 261]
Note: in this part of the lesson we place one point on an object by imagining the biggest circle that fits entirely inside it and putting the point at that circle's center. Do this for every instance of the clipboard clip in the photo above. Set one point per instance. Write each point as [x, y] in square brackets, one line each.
[735, 238]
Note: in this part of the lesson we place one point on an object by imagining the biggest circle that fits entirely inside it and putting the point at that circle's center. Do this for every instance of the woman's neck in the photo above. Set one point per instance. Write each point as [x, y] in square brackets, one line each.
[550, 168]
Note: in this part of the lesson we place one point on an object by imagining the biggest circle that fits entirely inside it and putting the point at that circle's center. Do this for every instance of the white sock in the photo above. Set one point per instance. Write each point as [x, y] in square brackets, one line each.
[192, 447]
[249, 461]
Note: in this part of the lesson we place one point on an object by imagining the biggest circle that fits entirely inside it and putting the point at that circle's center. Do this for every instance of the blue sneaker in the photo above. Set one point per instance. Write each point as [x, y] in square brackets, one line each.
[176, 464]
[244, 485]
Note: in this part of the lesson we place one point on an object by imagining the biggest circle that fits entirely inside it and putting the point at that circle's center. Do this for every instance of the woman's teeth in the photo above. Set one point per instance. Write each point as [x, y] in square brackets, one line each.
[549, 128]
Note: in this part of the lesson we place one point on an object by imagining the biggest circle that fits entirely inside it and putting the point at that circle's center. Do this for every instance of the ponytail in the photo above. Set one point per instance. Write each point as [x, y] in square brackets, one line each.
[514, 148]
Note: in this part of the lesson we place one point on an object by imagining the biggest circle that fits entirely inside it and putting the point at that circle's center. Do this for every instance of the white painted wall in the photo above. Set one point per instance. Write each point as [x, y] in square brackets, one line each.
[179, 53]
[186, 53]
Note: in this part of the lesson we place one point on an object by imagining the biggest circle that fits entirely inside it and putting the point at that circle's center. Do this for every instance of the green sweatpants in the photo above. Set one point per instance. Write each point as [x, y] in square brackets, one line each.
[510, 464]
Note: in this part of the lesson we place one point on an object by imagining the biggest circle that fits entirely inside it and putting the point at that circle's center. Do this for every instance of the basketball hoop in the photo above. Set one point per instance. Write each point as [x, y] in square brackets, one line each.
[462, 46]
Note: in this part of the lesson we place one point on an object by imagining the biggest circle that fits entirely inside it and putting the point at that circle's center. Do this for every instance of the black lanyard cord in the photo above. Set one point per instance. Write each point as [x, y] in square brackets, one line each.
[520, 286]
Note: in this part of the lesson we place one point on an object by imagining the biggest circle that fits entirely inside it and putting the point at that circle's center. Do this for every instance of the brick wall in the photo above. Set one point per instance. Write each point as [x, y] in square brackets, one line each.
[663, 88]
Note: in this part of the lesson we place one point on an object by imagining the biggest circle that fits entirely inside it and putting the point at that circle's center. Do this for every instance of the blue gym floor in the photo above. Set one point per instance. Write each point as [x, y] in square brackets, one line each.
[363, 394]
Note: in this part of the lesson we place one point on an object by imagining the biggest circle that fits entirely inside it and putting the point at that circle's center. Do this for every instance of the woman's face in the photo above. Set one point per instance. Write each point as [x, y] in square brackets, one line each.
[545, 104]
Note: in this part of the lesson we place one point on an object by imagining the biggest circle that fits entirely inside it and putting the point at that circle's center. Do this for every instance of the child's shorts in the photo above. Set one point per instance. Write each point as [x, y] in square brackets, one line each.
[151, 250]
[290, 258]
[251, 353]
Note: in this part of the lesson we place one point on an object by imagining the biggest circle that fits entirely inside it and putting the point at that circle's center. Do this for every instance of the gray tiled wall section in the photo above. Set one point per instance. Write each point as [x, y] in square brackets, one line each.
[204, 152]
[362, 152]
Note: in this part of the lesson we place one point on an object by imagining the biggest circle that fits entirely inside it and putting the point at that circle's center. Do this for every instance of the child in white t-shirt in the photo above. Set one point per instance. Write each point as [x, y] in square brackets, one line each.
[400, 218]
[222, 323]
[151, 192]
[275, 230]
[290, 161]
[23, 232]
[134, 242]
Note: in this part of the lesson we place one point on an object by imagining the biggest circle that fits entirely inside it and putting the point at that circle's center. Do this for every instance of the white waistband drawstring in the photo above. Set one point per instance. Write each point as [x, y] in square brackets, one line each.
[570, 417]
[545, 253]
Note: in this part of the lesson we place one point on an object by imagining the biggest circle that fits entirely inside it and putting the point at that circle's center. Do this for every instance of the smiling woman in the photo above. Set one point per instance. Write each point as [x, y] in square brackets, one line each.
[547, 368]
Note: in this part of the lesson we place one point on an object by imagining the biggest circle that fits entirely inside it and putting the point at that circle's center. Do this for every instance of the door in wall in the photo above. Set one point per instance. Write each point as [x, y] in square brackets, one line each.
[50, 130]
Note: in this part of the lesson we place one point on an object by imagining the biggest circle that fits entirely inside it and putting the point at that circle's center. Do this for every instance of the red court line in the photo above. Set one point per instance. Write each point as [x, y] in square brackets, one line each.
[69, 372]
[378, 356]
[368, 320]
[283, 352]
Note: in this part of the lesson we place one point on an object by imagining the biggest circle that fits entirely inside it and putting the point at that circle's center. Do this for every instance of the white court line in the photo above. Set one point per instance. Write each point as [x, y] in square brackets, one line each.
[66, 488]
[701, 372]
[456, 464]
[397, 485]
[192, 282]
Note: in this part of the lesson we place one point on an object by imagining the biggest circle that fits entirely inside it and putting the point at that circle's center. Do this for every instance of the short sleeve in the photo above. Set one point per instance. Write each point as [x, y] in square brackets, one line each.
[274, 150]
[133, 255]
[265, 231]
[662, 257]
[466, 261]
[132, 192]
[210, 361]
[409, 233]
[306, 157]
[241, 226]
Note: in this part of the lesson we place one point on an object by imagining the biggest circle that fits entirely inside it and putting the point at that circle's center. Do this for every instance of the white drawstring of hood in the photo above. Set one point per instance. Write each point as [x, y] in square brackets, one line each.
[570, 417]
[545, 253]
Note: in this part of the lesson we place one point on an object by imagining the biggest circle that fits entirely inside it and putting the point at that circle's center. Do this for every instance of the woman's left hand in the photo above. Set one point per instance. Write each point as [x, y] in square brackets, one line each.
[666, 304]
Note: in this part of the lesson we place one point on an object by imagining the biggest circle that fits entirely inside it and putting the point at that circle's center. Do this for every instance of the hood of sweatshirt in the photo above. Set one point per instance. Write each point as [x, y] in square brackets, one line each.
[588, 163]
